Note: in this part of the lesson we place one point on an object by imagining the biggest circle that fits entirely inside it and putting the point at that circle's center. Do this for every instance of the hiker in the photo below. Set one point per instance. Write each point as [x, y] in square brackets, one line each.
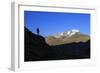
[38, 31]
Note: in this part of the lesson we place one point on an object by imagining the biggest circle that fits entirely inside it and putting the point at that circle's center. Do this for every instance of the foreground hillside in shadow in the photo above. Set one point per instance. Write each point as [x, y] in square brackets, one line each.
[36, 49]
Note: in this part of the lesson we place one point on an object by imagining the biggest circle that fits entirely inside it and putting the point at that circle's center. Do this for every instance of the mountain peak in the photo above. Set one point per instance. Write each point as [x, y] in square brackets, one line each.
[71, 36]
[67, 33]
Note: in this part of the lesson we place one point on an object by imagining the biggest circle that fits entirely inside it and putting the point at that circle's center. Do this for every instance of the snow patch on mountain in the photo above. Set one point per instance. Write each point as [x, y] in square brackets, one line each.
[67, 33]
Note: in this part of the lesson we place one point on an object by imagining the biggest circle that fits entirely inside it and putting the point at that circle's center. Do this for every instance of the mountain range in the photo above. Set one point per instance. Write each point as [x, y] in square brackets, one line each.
[71, 36]
[37, 49]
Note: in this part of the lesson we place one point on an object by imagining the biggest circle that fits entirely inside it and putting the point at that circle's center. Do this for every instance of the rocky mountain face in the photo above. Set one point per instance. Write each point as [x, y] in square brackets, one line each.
[67, 37]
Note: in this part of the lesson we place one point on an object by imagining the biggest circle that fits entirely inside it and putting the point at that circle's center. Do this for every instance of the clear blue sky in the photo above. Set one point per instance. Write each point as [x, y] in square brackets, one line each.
[54, 22]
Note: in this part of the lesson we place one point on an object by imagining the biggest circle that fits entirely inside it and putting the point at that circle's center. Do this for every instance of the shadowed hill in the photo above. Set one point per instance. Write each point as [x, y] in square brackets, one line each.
[72, 50]
[36, 49]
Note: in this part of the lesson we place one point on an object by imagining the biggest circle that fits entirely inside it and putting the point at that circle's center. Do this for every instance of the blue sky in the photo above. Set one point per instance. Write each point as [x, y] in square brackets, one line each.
[54, 22]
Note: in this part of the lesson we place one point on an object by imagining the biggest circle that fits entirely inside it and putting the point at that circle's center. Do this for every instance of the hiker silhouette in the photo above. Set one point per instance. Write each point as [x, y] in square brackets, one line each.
[37, 31]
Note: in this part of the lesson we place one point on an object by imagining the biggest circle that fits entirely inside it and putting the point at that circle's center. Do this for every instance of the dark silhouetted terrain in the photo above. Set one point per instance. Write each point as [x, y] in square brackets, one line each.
[36, 49]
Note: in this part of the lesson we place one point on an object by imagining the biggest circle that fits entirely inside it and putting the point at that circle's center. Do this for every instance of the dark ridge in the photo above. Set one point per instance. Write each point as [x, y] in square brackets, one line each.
[36, 49]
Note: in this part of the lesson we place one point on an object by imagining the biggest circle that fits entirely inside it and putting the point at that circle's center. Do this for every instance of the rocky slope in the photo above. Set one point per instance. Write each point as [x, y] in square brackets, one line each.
[67, 37]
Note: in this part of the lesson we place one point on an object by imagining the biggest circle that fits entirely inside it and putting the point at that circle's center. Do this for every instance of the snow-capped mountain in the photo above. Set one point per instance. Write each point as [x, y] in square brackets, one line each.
[66, 37]
[67, 33]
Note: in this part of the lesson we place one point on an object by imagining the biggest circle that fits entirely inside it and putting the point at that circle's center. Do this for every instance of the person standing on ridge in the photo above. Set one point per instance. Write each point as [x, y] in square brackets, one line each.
[38, 31]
